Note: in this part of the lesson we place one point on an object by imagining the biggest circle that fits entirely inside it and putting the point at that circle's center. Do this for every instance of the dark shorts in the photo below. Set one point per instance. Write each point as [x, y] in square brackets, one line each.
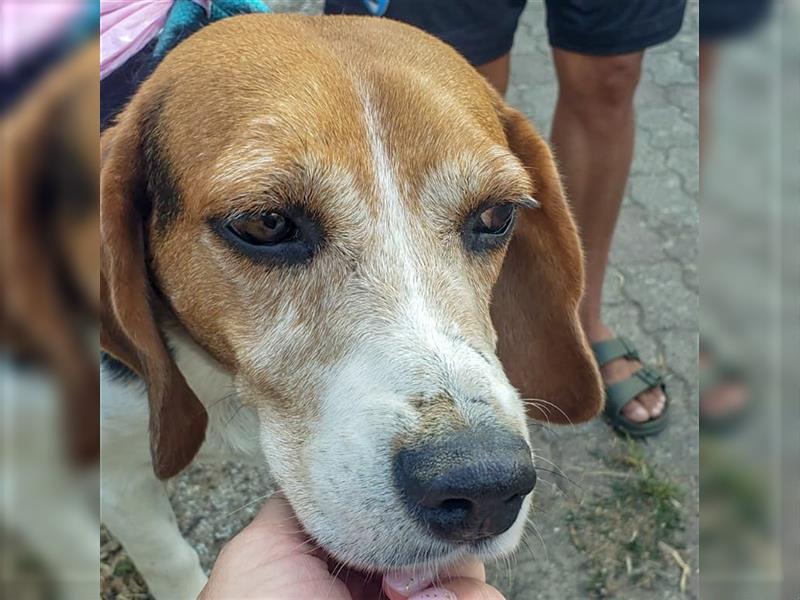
[721, 19]
[483, 30]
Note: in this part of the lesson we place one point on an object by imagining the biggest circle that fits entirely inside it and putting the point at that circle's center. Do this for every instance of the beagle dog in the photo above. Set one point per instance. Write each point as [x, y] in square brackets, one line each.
[49, 310]
[329, 245]
[49, 224]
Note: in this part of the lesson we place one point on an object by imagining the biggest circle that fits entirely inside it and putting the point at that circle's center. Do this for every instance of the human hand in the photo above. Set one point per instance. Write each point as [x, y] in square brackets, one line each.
[273, 559]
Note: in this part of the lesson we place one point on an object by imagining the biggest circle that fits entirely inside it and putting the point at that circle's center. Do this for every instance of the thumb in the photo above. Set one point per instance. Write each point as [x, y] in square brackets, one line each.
[464, 588]
[277, 527]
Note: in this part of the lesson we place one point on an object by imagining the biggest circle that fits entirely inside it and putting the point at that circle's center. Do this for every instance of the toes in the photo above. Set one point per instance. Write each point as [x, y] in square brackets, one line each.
[723, 399]
[635, 411]
[653, 401]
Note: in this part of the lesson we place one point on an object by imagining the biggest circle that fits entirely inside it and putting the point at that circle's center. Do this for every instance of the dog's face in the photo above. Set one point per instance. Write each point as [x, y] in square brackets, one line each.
[325, 206]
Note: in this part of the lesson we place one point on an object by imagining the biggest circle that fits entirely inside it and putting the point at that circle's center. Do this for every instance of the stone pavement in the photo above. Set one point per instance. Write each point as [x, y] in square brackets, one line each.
[651, 297]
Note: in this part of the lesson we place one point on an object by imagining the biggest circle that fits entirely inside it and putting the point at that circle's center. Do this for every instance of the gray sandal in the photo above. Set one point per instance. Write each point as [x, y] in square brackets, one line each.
[620, 393]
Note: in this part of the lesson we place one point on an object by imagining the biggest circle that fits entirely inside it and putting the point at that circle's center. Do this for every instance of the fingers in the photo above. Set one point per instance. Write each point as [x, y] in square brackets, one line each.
[460, 589]
[271, 558]
[275, 531]
[277, 516]
[402, 585]
[276, 510]
[280, 536]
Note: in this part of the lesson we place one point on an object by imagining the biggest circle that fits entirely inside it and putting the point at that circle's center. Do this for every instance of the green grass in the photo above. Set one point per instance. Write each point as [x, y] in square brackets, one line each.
[619, 532]
[124, 567]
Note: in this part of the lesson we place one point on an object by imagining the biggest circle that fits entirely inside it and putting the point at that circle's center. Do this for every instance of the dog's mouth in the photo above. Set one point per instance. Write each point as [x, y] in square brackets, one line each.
[427, 553]
[437, 559]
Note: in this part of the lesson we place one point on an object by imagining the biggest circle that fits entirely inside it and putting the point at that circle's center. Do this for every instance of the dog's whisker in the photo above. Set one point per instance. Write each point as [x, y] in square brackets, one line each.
[525, 543]
[541, 407]
[310, 546]
[554, 488]
[549, 462]
[541, 539]
[537, 402]
[259, 499]
[562, 475]
[334, 576]
[548, 429]
[544, 411]
[558, 470]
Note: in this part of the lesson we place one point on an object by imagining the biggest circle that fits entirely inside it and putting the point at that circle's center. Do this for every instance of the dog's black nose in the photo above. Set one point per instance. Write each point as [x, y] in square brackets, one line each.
[468, 486]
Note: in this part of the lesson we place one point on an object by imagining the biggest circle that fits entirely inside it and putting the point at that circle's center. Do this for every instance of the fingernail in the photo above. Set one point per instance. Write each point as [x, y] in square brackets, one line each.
[435, 594]
[639, 413]
[408, 583]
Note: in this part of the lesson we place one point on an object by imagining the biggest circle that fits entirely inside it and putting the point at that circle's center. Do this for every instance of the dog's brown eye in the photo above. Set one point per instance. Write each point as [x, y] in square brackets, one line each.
[495, 220]
[264, 230]
[290, 236]
[489, 227]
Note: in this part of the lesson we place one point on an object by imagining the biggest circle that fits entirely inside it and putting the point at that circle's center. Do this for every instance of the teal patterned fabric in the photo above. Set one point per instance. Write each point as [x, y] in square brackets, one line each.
[187, 16]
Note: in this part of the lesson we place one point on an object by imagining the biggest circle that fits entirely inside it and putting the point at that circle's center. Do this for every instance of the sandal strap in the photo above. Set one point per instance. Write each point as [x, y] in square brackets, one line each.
[619, 347]
[620, 393]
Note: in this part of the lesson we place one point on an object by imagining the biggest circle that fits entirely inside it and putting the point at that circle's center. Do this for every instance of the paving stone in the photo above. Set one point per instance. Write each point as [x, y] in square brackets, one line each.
[648, 160]
[649, 94]
[680, 352]
[685, 162]
[686, 97]
[667, 126]
[680, 243]
[625, 319]
[537, 103]
[659, 290]
[634, 241]
[664, 200]
[667, 71]
[612, 287]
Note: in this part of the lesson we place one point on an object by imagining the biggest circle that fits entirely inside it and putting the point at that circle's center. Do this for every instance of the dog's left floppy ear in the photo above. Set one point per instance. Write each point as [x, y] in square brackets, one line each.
[129, 331]
[534, 308]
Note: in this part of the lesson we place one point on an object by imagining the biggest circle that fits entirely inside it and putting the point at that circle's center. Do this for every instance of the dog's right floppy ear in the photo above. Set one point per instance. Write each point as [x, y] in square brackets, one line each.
[535, 304]
[129, 331]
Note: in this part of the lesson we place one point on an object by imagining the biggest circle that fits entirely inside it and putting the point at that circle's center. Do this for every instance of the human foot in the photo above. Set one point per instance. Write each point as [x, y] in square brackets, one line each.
[647, 405]
[723, 390]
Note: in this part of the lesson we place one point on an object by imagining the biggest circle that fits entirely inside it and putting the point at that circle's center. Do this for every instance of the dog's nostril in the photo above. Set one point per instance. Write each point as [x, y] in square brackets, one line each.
[513, 498]
[456, 505]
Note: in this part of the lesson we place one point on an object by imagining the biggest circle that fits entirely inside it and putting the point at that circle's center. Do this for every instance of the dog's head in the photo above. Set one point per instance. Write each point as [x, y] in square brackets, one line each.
[346, 217]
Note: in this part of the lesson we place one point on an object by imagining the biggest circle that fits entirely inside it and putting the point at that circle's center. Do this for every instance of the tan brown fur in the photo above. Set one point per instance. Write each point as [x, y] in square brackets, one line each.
[259, 111]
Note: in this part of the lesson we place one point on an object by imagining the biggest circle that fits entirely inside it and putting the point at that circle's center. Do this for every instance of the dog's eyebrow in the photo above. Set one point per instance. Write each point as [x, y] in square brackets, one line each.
[259, 178]
[162, 192]
[476, 178]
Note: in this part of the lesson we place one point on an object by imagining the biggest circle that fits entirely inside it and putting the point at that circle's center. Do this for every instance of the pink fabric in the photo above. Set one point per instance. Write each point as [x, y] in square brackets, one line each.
[126, 26]
[29, 25]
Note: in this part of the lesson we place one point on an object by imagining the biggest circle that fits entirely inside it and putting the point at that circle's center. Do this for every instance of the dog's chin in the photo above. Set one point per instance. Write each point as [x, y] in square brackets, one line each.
[437, 556]
[432, 555]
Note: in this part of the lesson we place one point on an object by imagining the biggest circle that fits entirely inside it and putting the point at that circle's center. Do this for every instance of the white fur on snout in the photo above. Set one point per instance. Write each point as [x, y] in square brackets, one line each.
[422, 329]
[348, 500]
[403, 345]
